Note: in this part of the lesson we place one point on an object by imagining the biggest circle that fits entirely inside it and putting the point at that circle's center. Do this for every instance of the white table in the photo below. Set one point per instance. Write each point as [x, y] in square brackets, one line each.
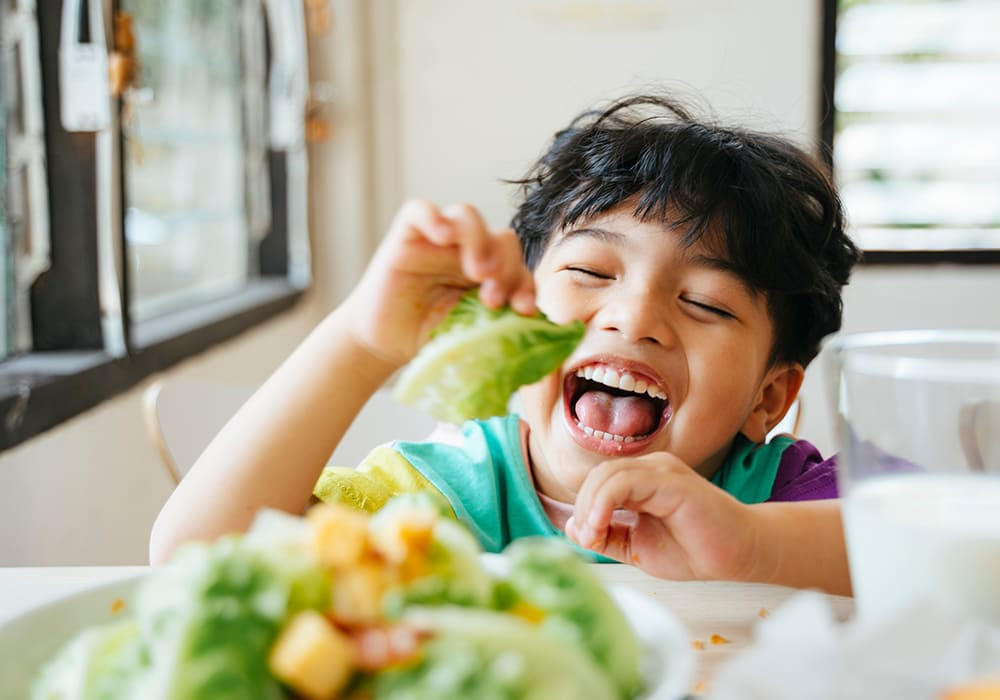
[723, 608]
[729, 610]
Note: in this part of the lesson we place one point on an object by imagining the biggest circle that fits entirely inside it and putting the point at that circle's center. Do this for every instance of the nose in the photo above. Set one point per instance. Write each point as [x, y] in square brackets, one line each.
[640, 316]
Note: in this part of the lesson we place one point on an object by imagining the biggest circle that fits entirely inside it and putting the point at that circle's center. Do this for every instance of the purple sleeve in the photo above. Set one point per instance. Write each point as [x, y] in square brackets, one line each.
[803, 474]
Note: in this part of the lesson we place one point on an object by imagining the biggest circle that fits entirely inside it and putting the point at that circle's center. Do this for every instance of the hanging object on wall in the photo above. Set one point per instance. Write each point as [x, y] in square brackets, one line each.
[319, 16]
[84, 90]
[318, 125]
[123, 65]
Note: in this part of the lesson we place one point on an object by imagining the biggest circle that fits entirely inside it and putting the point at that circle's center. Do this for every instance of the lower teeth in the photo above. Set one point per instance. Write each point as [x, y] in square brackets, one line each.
[611, 437]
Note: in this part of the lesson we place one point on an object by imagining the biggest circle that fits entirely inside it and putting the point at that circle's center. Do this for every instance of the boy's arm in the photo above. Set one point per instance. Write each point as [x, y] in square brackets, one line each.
[802, 545]
[273, 450]
[686, 528]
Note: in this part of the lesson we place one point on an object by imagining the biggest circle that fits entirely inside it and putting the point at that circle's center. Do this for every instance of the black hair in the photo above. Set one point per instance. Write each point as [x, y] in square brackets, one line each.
[771, 206]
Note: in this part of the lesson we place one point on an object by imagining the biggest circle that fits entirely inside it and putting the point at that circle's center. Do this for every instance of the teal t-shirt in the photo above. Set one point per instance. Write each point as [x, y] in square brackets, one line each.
[488, 485]
[485, 480]
[749, 470]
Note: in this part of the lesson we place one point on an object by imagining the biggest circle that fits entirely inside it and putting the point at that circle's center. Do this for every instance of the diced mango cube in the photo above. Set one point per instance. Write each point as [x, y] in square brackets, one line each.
[357, 593]
[312, 657]
[406, 533]
[340, 535]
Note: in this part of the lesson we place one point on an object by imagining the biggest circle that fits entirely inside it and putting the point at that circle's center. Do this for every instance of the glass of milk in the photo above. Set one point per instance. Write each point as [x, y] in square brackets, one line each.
[918, 425]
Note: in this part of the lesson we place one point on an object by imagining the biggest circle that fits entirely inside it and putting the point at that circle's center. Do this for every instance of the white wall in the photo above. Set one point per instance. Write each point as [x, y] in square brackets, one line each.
[465, 94]
[483, 86]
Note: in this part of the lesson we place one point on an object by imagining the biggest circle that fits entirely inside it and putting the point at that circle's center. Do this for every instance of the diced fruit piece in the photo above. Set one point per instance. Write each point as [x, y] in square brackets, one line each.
[357, 594]
[312, 657]
[403, 533]
[339, 534]
[527, 611]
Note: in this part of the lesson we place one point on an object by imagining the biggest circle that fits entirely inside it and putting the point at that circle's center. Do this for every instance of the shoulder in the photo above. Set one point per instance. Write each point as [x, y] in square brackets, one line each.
[804, 474]
[489, 443]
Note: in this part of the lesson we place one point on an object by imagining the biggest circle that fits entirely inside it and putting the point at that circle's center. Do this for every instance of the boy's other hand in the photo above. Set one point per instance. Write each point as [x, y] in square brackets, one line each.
[428, 259]
[684, 527]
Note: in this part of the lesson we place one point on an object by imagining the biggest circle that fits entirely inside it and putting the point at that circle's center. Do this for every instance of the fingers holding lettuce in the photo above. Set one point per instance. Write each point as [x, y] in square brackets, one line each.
[428, 259]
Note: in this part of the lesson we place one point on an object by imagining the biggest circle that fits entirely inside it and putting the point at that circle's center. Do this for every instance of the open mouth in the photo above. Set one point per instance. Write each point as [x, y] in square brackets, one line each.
[615, 405]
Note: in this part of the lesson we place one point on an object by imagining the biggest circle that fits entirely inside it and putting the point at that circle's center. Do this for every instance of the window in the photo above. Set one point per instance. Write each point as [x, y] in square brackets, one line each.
[187, 230]
[24, 224]
[915, 126]
[154, 190]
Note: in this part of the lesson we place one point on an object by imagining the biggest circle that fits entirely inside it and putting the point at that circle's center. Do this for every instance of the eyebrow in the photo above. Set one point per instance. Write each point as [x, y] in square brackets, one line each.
[711, 262]
[602, 234]
[724, 266]
[698, 259]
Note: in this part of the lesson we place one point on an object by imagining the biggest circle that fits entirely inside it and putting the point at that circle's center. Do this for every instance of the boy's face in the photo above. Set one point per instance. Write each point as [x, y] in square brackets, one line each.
[685, 343]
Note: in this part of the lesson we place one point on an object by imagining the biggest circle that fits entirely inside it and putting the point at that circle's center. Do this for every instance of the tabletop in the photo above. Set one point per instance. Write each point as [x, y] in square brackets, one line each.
[719, 615]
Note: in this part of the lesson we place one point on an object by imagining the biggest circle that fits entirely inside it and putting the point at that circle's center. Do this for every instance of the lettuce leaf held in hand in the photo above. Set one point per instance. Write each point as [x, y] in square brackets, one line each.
[478, 357]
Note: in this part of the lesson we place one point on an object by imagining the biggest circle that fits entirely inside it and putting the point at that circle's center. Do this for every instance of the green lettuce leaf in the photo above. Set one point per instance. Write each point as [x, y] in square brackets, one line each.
[489, 655]
[99, 663]
[550, 575]
[210, 616]
[478, 357]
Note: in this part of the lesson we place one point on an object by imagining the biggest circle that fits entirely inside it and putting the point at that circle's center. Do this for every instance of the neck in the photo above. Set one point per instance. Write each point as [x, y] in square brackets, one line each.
[545, 482]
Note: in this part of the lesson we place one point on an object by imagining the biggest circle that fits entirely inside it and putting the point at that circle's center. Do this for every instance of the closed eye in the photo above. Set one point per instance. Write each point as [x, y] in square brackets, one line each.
[721, 313]
[589, 272]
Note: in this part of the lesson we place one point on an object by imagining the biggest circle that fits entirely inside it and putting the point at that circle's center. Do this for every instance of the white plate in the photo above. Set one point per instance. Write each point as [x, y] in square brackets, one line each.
[32, 638]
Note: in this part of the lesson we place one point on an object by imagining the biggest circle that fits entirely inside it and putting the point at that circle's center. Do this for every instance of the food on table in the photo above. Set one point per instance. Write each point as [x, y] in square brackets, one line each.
[477, 357]
[340, 604]
[552, 578]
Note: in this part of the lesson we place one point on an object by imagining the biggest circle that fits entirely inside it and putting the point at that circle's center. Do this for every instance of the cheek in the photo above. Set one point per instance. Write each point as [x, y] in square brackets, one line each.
[538, 399]
[556, 302]
[721, 387]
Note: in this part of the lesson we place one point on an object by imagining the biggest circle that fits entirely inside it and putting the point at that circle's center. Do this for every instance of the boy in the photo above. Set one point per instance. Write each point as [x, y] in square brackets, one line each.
[707, 265]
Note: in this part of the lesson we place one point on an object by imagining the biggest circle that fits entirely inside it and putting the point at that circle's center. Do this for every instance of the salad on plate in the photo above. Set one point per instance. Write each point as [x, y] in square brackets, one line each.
[340, 604]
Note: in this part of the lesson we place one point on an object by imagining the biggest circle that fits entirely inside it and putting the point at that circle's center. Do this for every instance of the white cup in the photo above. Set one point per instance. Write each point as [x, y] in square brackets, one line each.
[918, 425]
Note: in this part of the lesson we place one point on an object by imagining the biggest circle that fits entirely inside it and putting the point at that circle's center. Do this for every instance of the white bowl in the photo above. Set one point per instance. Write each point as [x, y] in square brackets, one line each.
[30, 639]
[33, 637]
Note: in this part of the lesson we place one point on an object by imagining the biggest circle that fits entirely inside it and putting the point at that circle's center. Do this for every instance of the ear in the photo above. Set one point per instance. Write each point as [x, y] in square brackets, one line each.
[777, 393]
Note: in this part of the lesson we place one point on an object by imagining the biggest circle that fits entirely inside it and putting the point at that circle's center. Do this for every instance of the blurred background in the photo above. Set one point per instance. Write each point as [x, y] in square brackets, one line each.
[253, 153]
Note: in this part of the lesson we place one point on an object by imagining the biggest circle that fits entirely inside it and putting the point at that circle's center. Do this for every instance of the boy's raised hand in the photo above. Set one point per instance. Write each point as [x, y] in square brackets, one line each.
[682, 527]
[427, 260]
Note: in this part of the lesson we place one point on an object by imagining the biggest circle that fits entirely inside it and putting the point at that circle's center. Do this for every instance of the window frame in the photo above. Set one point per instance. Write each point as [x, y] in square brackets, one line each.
[69, 370]
[828, 114]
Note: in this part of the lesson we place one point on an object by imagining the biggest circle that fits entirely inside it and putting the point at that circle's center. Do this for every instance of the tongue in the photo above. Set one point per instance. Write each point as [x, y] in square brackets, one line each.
[620, 415]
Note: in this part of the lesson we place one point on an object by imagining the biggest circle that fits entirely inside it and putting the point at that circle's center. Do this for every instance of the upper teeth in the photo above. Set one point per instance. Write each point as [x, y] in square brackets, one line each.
[624, 380]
